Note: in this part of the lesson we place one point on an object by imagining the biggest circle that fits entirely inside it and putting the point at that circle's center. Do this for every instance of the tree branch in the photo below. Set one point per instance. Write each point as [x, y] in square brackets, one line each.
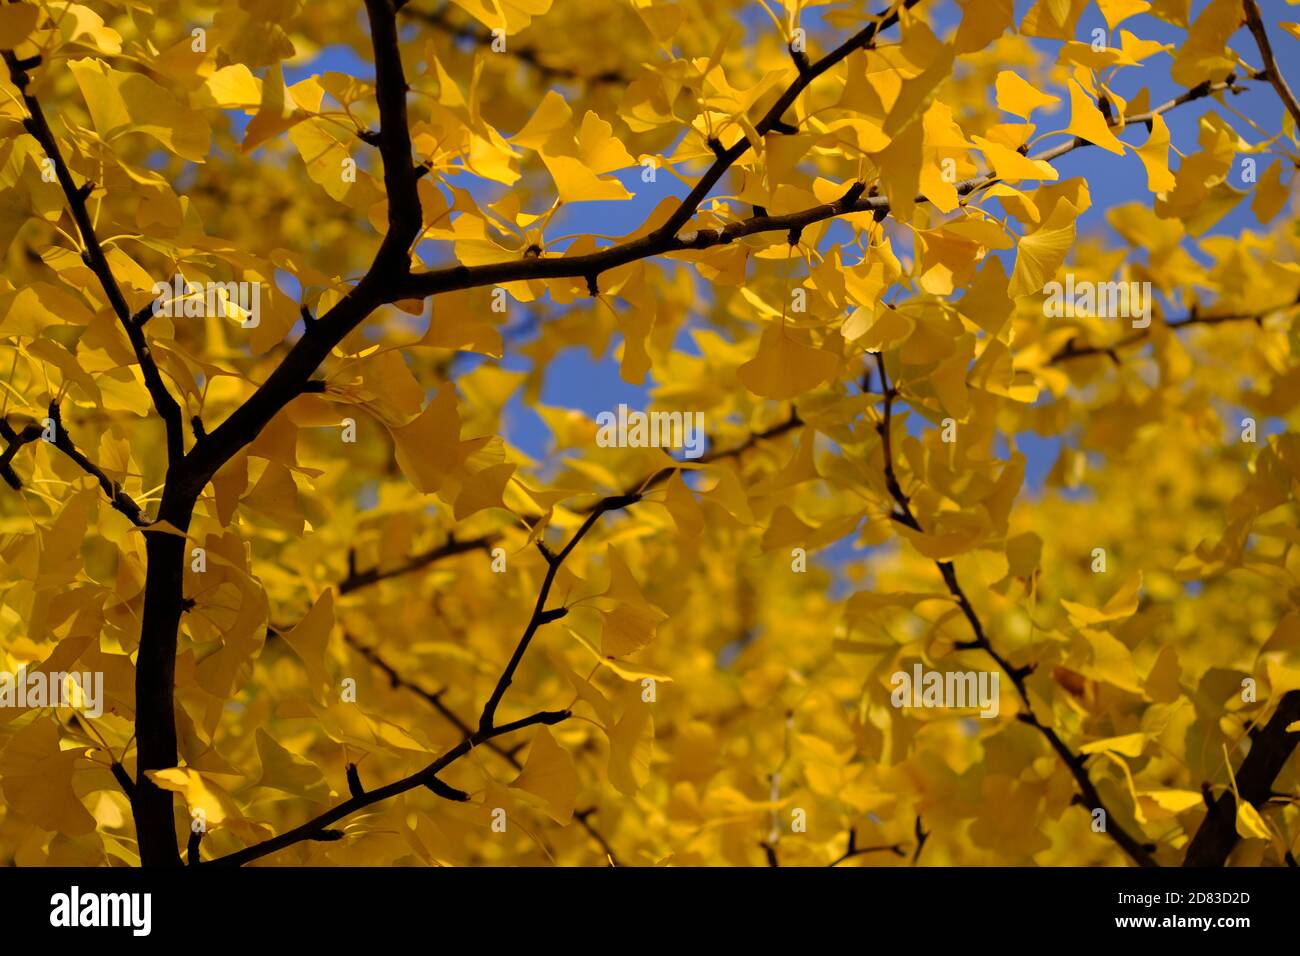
[39, 128]
[14, 443]
[1136, 850]
[388, 269]
[863, 39]
[381, 287]
[1270, 750]
[389, 280]
[118, 498]
[440, 21]
[663, 474]
[854, 850]
[1255, 23]
[312, 829]
[404, 216]
[540, 615]
[360, 579]
[355, 580]
[1072, 350]
[434, 700]
[487, 730]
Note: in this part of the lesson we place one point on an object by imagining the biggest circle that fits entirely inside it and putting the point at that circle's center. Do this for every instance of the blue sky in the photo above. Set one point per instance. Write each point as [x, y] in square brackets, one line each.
[576, 380]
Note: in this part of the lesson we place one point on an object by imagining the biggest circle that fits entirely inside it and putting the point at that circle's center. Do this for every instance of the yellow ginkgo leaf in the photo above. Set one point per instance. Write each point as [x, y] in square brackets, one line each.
[1204, 53]
[631, 743]
[1011, 165]
[575, 181]
[483, 489]
[1154, 154]
[1271, 194]
[1086, 121]
[631, 623]
[1054, 19]
[1250, 825]
[17, 21]
[36, 780]
[549, 773]
[1039, 254]
[1123, 604]
[274, 115]
[954, 533]
[783, 367]
[1136, 49]
[625, 670]
[1174, 801]
[309, 639]
[1130, 745]
[1117, 11]
[428, 446]
[1019, 97]
[288, 772]
[200, 794]
[510, 16]
[233, 87]
[123, 103]
[599, 149]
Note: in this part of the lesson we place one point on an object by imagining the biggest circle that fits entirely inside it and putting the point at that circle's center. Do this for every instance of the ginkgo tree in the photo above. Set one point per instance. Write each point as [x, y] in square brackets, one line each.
[279, 277]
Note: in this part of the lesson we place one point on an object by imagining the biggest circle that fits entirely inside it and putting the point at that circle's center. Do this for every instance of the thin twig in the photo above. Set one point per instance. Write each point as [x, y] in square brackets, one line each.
[1255, 23]
[62, 441]
[93, 255]
[1138, 851]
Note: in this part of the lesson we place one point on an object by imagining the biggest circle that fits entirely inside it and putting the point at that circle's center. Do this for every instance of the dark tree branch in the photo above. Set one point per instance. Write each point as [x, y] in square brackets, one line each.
[487, 730]
[1270, 750]
[663, 474]
[379, 285]
[389, 280]
[1255, 23]
[584, 820]
[664, 241]
[355, 579]
[123, 780]
[118, 498]
[434, 700]
[14, 441]
[854, 850]
[360, 579]
[1074, 350]
[1091, 799]
[312, 829]
[921, 836]
[540, 615]
[394, 135]
[39, 128]
[443, 23]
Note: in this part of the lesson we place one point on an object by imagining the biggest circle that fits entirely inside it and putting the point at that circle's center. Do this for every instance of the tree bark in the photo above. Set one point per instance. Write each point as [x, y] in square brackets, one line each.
[155, 677]
[1270, 749]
